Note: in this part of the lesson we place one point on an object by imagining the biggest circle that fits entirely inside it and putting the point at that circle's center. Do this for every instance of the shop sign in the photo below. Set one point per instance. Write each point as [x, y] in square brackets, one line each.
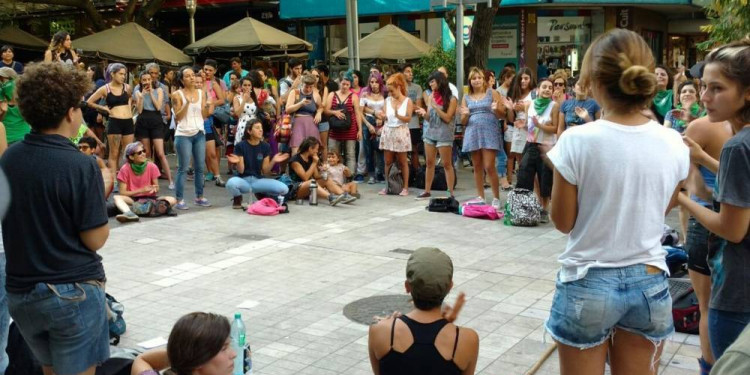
[623, 18]
[564, 29]
[503, 41]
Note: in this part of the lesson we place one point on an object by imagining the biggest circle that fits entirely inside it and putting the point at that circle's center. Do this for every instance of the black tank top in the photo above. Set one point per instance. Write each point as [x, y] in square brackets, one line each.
[116, 100]
[422, 357]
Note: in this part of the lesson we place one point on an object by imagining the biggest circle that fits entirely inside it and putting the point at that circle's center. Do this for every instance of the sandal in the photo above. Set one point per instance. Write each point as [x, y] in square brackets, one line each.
[404, 192]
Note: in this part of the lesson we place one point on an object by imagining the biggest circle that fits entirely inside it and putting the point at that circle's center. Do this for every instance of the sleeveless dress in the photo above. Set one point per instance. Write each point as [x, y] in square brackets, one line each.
[396, 136]
[249, 111]
[481, 131]
[348, 134]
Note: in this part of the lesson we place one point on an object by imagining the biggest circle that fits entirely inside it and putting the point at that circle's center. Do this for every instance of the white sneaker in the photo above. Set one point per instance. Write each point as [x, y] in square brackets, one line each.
[496, 204]
[476, 201]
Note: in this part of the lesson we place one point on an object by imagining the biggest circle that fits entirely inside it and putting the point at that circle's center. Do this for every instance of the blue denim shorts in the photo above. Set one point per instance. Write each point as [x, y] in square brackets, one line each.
[323, 127]
[65, 325]
[585, 312]
[435, 143]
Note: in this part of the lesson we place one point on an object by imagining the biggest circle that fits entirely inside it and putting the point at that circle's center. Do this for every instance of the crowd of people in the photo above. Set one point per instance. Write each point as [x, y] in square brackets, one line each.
[608, 153]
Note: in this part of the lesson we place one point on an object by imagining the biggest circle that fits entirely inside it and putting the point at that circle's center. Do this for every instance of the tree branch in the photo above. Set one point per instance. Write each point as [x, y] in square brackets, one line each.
[84, 5]
[127, 15]
[147, 12]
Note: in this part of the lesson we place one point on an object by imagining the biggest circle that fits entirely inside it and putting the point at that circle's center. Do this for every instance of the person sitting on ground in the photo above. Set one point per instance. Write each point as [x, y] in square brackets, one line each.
[338, 173]
[253, 159]
[139, 184]
[199, 343]
[425, 341]
[304, 170]
[87, 145]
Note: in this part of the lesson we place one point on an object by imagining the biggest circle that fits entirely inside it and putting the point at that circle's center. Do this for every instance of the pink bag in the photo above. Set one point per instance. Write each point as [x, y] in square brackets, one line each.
[265, 207]
[480, 211]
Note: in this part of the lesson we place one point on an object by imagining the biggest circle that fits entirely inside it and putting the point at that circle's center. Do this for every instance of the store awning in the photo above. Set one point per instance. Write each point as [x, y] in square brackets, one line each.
[130, 43]
[20, 39]
[248, 34]
[302, 9]
[389, 44]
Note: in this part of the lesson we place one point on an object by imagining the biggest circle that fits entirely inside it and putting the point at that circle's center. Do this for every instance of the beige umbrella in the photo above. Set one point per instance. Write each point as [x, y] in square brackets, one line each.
[130, 43]
[21, 39]
[389, 44]
[248, 34]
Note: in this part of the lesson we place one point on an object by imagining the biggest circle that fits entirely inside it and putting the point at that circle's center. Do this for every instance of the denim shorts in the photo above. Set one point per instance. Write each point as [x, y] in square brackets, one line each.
[323, 126]
[585, 312]
[65, 325]
[434, 143]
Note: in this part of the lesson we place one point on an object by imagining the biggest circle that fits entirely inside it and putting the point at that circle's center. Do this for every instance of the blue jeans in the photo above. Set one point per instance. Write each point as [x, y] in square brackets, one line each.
[65, 325]
[585, 312]
[4, 315]
[236, 186]
[186, 147]
[724, 327]
[501, 162]
[373, 154]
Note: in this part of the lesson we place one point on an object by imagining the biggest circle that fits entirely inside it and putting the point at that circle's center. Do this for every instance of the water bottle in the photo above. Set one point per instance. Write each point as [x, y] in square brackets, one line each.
[313, 193]
[237, 334]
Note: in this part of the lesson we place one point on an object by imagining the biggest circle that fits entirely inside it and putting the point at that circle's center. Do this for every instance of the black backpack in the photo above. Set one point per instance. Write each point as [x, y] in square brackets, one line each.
[439, 183]
[394, 181]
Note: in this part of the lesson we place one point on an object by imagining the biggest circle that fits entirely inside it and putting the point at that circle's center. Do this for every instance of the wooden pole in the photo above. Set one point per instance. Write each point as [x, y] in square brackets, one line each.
[541, 360]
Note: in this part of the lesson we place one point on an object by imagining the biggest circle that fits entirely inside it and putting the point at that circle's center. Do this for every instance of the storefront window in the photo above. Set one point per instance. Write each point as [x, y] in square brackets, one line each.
[562, 41]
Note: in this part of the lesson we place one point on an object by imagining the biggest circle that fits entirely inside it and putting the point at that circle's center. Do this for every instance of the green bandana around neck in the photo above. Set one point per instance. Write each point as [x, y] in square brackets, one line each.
[663, 102]
[540, 104]
[138, 169]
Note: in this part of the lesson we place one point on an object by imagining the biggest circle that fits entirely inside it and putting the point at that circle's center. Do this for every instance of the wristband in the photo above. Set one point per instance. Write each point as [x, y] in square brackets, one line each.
[148, 372]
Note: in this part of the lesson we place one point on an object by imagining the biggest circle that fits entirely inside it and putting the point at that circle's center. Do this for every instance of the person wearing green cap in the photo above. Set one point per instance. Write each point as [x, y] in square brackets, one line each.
[425, 341]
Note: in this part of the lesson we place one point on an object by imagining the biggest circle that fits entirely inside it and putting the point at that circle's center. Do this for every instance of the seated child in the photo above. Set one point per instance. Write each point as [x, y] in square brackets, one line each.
[139, 185]
[338, 173]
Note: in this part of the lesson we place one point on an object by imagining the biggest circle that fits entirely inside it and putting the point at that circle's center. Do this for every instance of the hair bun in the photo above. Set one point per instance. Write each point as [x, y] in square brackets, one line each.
[638, 80]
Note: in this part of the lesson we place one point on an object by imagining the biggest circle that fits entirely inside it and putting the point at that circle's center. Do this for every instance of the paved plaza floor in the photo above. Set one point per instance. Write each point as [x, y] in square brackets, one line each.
[293, 274]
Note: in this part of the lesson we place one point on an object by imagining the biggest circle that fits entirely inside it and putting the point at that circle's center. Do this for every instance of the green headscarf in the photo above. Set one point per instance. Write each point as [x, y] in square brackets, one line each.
[663, 102]
[540, 104]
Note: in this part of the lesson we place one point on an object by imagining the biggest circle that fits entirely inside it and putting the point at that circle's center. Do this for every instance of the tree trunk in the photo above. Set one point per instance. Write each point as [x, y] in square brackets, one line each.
[85, 5]
[477, 52]
[127, 15]
[147, 12]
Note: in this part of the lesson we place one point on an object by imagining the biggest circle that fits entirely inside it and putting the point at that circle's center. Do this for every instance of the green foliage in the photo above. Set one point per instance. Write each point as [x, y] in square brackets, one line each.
[729, 21]
[436, 58]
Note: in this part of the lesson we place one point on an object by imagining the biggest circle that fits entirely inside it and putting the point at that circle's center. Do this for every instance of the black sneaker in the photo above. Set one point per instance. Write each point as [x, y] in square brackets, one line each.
[237, 202]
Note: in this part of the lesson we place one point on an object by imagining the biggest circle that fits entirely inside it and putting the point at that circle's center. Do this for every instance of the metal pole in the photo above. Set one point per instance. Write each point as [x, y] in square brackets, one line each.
[350, 39]
[192, 27]
[355, 19]
[460, 49]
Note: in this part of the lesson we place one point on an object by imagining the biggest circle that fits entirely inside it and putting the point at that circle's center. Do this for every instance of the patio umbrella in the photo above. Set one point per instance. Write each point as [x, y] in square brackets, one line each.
[248, 34]
[130, 43]
[21, 39]
[388, 44]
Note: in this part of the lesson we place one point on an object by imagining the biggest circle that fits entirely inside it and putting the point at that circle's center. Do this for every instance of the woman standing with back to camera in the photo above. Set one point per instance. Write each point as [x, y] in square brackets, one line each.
[612, 298]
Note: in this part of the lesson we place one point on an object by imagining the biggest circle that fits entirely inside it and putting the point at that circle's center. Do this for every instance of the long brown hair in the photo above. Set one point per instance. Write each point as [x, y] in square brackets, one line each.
[733, 60]
[515, 90]
[621, 64]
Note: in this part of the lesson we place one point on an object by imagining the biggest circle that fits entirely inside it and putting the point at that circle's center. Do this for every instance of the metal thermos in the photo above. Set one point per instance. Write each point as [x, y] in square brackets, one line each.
[313, 193]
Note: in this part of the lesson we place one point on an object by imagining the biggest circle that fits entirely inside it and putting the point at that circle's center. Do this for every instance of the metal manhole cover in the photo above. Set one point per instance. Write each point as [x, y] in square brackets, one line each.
[365, 310]
[402, 251]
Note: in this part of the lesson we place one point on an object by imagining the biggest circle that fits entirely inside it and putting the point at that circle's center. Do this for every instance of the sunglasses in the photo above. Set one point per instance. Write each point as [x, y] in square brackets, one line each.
[141, 152]
[560, 84]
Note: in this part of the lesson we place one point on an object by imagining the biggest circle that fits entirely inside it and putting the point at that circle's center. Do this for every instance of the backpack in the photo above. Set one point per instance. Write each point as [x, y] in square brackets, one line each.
[522, 208]
[265, 207]
[394, 181]
[480, 211]
[686, 313]
[439, 183]
[116, 322]
[446, 204]
[147, 207]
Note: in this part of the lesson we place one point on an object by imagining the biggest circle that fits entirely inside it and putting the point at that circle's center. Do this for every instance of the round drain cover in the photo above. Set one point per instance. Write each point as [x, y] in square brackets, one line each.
[365, 310]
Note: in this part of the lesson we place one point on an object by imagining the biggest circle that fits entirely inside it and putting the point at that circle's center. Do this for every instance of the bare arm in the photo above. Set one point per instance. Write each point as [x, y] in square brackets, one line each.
[552, 126]
[305, 174]
[3, 140]
[291, 98]
[220, 96]
[180, 108]
[48, 56]
[464, 112]
[95, 97]
[448, 115]
[154, 359]
[730, 223]
[157, 97]
[564, 204]
[94, 239]
[208, 106]
[139, 102]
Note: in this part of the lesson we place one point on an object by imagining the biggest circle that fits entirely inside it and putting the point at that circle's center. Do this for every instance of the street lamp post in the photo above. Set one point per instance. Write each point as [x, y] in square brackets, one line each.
[191, 5]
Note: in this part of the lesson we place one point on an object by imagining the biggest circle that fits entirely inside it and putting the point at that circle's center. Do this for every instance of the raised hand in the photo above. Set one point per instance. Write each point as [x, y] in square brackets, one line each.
[280, 158]
[451, 313]
[582, 112]
[234, 159]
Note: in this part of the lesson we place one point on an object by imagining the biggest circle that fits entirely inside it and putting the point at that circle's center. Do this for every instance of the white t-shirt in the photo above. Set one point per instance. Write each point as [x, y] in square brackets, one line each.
[626, 176]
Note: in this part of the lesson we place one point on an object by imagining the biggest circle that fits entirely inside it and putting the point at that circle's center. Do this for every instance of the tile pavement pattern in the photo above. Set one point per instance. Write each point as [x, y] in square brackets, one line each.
[293, 274]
